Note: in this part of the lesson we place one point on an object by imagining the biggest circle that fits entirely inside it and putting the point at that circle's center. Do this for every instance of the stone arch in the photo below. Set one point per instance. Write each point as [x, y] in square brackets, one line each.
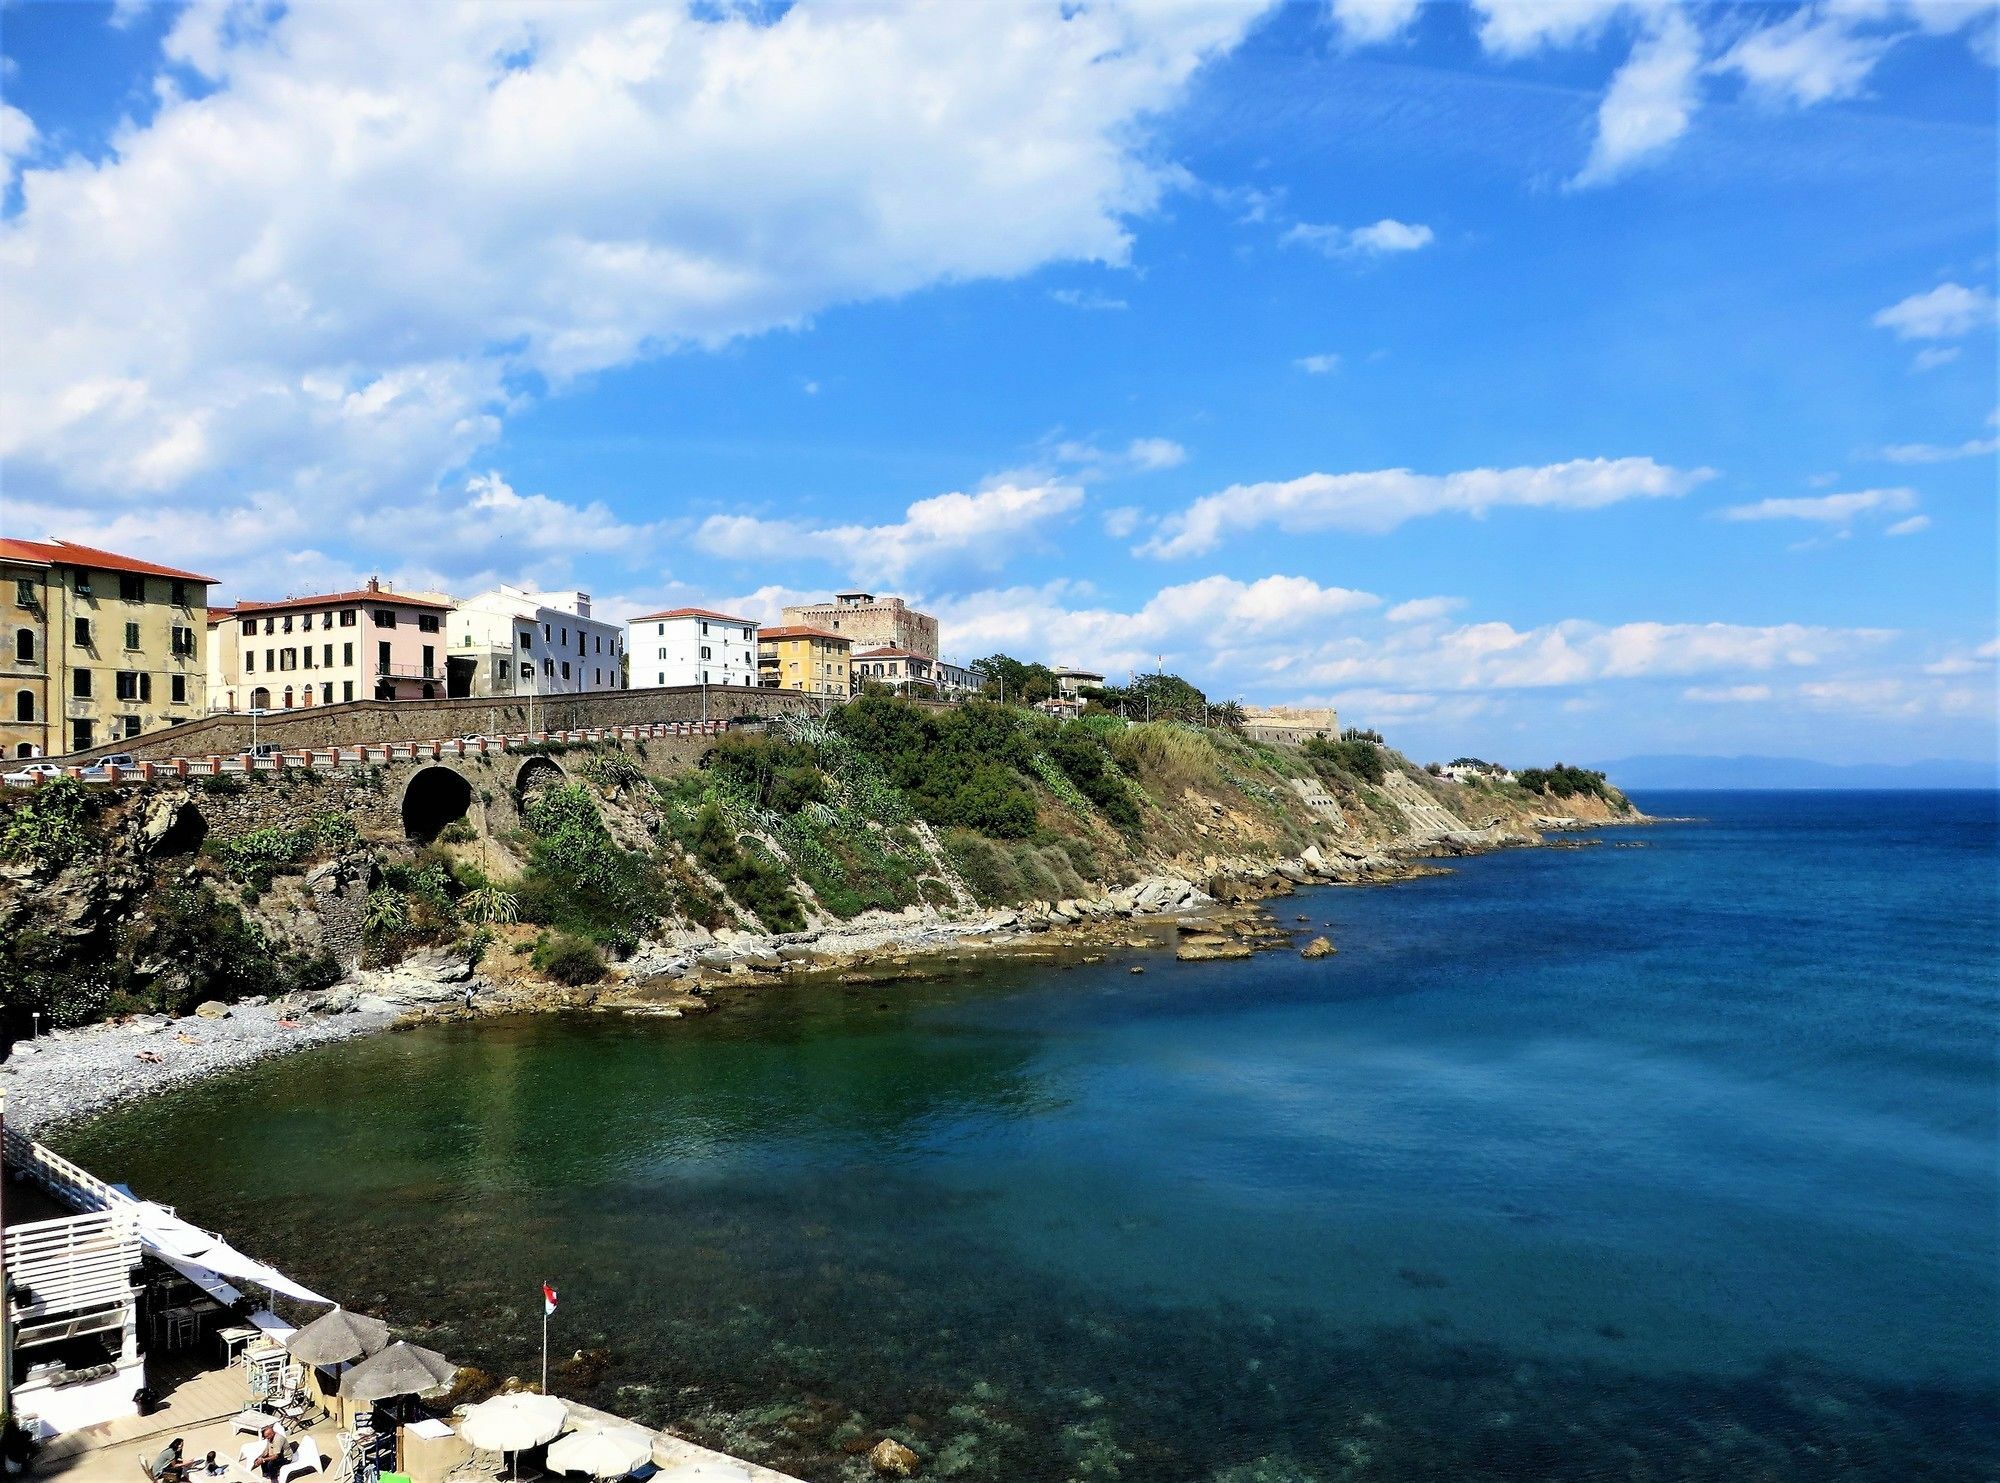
[434, 797]
[537, 774]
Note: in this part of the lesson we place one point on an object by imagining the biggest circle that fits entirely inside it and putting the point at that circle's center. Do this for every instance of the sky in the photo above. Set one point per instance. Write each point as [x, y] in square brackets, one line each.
[1530, 379]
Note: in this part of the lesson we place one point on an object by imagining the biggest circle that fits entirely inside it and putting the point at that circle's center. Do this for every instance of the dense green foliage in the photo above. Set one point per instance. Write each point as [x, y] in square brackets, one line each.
[579, 879]
[769, 771]
[1352, 759]
[1010, 679]
[753, 879]
[47, 827]
[569, 960]
[1564, 781]
[255, 857]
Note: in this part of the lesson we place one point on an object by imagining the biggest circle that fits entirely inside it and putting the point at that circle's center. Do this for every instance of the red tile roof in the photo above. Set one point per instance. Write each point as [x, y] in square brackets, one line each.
[343, 599]
[803, 631]
[891, 653]
[71, 554]
[708, 613]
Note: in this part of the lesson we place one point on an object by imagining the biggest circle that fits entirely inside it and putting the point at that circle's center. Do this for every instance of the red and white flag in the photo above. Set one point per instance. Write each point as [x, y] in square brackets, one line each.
[548, 1300]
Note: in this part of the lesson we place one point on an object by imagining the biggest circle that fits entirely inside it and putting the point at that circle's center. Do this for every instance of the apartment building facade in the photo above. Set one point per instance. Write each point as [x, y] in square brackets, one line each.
[101, 646]
[797, 657]
[512, 641]
[871, 622]
[692, 646]
[367, 644]
[911, 673]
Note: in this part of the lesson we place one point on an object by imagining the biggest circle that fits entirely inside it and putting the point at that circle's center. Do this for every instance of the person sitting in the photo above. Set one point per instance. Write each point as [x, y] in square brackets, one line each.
[270, 1458]
[212, 1467]
[167, 1466]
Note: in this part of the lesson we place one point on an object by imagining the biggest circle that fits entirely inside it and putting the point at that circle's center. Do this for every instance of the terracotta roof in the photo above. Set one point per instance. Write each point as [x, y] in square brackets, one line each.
[342, 599]
[890, 653]
[803, 631]
[71, 554]
[708, 613]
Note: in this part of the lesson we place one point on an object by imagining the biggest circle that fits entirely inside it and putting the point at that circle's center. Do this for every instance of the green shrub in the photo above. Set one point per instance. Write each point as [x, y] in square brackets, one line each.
[1353, 758]
[489, 906]
[458, 831]
[225, 783]
[570, 960]
[1564, 781]
[578, 878]
[47, 827]
[258, 855]
[752, 879]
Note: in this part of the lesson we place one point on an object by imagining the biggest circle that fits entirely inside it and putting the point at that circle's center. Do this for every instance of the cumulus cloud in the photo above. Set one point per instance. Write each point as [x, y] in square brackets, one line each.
[1087, 460]
[1385, 238]
[1651, 98]
[1941, 452]
[1827, 509]
[1383, 499]
[17, 138]
[1365, 22]
[337, 265]
[1943, 313]
[1424, 609]
[1806, 58]
[981, 529]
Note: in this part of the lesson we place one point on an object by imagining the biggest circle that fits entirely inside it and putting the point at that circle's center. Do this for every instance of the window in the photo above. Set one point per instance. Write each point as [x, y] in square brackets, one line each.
[663, 630]
[527, 641]
[131, 726]
[131, 588]
[24, 592]
[326, 656]
[288, 622]
[134, 685]
[347, 689]
[180, 594]
[347, 653]
[565, 669]
[746, 635]
[80, 580]
[306, 657]
[704, 628]
[183, 642]
[83, 633]
[80, 738]
[347, 617]
[24, 705]
[527, 671]
[326, 692]
[326, 619]
[270, 625]
[427, 623]
[430, 658]
[704, 677]
[79, 683]
[250, 626]
[179, 694]
[249, 661]
[288, 659]
[131, 635]
[384, 617]
[704, 652]
[381, 658]
[24, 646]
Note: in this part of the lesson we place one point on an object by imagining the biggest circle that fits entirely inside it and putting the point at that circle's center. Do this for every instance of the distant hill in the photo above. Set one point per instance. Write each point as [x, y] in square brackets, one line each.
[1792, 772]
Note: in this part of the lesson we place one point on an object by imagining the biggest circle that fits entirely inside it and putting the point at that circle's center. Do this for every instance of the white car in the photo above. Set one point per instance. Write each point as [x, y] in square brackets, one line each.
[34, 772]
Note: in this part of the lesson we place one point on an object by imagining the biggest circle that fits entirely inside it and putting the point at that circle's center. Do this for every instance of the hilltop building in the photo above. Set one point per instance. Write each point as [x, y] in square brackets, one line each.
[911, 673]
[1071, 683]
[871, 622]
[100, 646]
[368, 644]
[692, 646]
[799, 657]
[511, 641]
[1290, 725]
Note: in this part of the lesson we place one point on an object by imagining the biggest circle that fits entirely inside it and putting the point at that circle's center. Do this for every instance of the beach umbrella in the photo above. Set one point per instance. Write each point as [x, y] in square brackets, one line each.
[602, 1451]
[510, 1423]
[337, 1337]
[401, 1369]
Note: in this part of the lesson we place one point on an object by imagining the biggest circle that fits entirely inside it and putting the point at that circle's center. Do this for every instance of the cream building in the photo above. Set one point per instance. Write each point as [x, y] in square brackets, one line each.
[368, 644]
[101, 648]
[511, 641]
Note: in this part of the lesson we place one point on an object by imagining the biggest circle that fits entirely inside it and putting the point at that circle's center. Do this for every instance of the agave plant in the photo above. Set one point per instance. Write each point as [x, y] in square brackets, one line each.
[489, 906]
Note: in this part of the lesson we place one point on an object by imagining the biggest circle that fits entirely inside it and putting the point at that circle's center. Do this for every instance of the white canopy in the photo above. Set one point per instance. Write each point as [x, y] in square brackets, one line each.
[602, 1451]
[205, 1258]
[511, 1422]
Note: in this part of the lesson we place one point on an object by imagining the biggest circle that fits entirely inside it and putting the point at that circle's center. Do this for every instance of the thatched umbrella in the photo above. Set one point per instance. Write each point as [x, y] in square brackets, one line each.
[401, 1369]
[339, 1336]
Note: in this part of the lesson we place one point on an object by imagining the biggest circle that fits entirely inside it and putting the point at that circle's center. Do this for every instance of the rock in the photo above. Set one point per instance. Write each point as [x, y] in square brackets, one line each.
[1319, 947]
[1137, 968]
[1211, 949]
[891, 1459]
[764, 962]
[212, 1009]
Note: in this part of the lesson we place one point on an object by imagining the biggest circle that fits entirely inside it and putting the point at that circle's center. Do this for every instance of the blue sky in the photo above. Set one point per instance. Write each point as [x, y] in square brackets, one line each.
[1528, 379]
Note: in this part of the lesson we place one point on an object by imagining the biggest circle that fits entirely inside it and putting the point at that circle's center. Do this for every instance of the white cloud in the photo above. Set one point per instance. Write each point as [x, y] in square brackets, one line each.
[337, 270]
[1806, 58]
[1424, 609]
[1088, 299]
[1651, 98]
[1517, 28]
[1910, 526]
[1368, 22]
[1088, 461]
[982, 529]
[1931, 358]
[1828, 509]
[17, 139]
[1941, 452]
[1944, 313]
[1149, 454]
[1383, 499]
[1727, 694]
[1318, 365]
[1386, 237]
[1119, 523]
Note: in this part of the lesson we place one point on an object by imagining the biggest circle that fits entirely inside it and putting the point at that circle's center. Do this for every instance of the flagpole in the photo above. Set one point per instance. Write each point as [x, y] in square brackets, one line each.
[545, 1347]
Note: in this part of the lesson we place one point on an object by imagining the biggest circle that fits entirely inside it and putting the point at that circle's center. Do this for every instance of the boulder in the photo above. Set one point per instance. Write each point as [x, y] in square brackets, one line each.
[891, 1459]
[212, 1009]
[1319, 947]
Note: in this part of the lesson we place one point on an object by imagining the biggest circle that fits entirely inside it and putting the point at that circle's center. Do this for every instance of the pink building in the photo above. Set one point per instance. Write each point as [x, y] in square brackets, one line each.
[370, 644]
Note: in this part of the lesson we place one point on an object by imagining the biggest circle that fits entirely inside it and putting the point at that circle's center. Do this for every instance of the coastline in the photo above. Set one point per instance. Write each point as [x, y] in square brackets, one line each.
[68, 1077]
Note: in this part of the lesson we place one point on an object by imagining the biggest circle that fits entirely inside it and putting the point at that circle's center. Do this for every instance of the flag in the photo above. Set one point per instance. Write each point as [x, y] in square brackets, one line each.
[548, 1300]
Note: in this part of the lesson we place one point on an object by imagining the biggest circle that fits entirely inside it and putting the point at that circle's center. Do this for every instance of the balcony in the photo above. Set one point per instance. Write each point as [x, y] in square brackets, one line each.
[408, 671]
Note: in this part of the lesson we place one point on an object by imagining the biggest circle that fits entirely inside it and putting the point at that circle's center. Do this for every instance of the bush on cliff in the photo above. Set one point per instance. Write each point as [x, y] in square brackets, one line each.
[1564, 781]
[1352, 759]
[46, 828]
[579, 879]
[569, 960]
[753, 879]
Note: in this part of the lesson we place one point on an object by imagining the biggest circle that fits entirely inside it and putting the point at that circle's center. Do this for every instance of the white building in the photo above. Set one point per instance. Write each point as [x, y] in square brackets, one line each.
[511, 641]
[692, 646]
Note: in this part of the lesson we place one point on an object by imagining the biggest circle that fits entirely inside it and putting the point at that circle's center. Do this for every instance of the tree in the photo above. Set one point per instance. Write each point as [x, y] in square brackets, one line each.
[1008, 678]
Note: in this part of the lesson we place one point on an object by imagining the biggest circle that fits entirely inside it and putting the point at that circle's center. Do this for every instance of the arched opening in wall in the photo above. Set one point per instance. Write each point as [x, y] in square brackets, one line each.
[260, 699]
[185, 835]
[537, 776]
[24, 749]
[434, 798]
[24, 705]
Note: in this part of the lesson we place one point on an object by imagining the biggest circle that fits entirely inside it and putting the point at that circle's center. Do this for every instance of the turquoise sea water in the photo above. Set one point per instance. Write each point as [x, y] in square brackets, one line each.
[1675, 1161]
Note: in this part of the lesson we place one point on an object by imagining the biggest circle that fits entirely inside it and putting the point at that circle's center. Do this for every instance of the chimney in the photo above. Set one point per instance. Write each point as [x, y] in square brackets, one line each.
[374, 584]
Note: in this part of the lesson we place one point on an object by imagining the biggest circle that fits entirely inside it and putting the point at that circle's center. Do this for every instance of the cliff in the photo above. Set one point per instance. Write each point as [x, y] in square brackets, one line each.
[163, 897]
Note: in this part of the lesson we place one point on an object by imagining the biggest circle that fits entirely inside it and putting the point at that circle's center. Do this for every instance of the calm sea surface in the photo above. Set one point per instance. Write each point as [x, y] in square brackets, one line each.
[1670, 1158]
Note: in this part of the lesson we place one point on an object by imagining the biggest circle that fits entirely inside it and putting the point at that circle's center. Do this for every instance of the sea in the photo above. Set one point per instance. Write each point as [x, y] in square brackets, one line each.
[1672, 1156]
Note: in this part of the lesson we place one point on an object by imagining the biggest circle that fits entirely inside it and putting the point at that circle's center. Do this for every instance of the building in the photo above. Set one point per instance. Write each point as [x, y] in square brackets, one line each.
[912, 673]
[871, 622]
[1290, 725]
[692, 646]
[368, 644]
[511, 641]
[797, 657]
[1071, 683]
[102, 646]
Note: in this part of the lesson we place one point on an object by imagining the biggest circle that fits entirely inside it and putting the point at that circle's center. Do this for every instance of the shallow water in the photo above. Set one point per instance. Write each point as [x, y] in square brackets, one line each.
[1674, 1161]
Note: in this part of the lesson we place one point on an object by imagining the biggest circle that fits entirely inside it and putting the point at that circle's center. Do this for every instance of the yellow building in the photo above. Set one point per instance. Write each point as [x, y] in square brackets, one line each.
[800, 657]
[102, 647]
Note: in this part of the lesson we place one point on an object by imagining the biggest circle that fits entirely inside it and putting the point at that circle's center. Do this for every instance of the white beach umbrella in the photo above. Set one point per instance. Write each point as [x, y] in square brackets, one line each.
[602, 1451]
[510, 1423]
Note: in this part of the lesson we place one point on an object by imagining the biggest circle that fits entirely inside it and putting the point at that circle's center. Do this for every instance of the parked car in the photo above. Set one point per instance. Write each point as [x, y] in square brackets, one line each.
[118, 759]
[34, 772]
